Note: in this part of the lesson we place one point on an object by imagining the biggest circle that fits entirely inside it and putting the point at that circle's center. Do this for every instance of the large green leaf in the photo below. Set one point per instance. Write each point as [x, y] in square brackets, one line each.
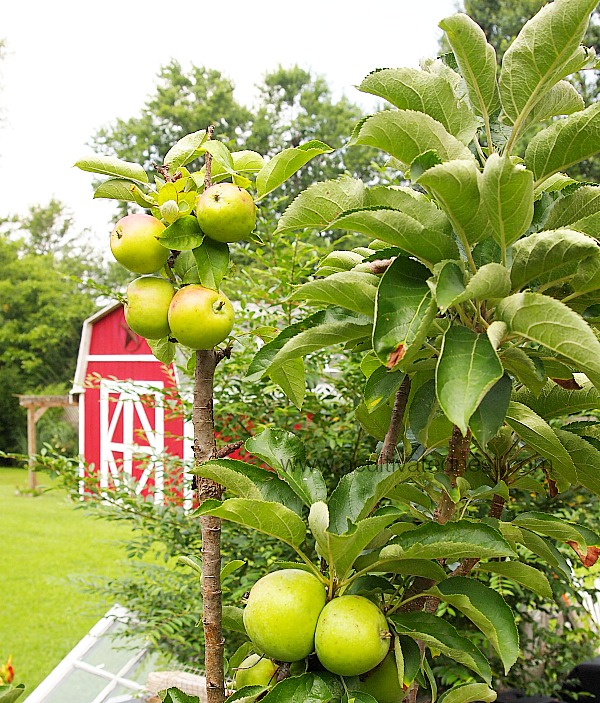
[582, 203]
[184, 234]
[469, 693]
[212, 261]
[321, 203]
[272, 519]
[507, 191]
[12, 694]
[452, 541]
[543, 253]
[286, 454]
[412, 203]
[587, 278]
[404, 310]
[319, 330]
[561, 530]
[284, 164]
[489, 416]
[381, 386]
[291, 378]
[564, 143]
[442, 636]
[120, 189]
[307, 688]
[111, 166]
[455, 185]
[487, 610]
[185, 150]
[544, 549]
[406, 134]
[233, 619]
[541, 438]
[555, 401]
[551, 323]
[546, 50]
[340, 551]
[401, 230]
[249, 481]
[526, 575]
[359, 492]
[429, 424]
[353, 290]
[433, 94]
[561, 99]
[467, 368]
[489, 282]
[476, 60]
[585, 457]
[525, 369]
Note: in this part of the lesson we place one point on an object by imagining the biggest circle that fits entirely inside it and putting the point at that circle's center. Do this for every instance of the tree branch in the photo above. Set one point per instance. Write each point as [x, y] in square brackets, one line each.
[391, 438]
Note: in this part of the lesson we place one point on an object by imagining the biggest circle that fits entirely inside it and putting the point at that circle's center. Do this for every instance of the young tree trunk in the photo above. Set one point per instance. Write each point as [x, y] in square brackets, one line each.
[205, 449]
[393, 434]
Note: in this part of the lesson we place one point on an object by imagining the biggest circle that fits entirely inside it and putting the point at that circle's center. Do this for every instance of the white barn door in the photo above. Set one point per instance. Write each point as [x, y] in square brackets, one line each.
[129, 429]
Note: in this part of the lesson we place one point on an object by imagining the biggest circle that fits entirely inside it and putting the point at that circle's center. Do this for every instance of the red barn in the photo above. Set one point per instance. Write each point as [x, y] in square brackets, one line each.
[130, 415]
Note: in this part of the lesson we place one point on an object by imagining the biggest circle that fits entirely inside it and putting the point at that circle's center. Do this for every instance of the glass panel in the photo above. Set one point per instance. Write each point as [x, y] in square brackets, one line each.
[112, 652]
[77, 687]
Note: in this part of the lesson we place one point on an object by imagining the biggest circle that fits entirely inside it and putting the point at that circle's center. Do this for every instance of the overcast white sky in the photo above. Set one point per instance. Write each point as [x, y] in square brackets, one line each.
[75, 66]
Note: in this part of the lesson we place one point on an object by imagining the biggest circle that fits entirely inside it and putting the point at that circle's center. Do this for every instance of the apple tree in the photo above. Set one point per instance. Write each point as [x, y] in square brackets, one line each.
[474, 313]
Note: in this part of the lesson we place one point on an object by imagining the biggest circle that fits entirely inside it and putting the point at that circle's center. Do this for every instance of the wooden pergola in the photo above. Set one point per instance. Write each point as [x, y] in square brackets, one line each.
[36, 406]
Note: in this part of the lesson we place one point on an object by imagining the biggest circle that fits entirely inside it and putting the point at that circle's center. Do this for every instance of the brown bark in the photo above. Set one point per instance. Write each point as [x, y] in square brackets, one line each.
[456, 464]
[392, 435]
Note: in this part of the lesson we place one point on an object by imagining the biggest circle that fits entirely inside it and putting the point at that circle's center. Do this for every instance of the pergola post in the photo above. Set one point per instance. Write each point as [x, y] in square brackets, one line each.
[36, 406]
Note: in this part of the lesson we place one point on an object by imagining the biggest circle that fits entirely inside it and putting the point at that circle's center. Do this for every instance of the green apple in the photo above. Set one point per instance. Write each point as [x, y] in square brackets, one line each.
[352, 636]
[147, 306]
[282, 612]
[382, 682]
[226, 212]
[134, 243]
[255, 671]
[199, 317]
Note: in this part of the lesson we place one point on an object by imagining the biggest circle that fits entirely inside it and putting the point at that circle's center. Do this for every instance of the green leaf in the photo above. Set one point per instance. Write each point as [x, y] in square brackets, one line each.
[163, 349]
[491, 281]
[401, 230]
[358, 493]
[455, 185]
[546, 50]
[551, 323]
[321, 203]
[530, 372]
[555, 401]
[489, 416]
[561, 530]
[476, 60]
[433, 94]
[406, 134]
[381, 386]
[449, 284]
[119, 189]
[175, 695]
[272, 519]
[543, 253]
[12, 694]
[585, 457]
[246, 694]
[487, 610]
[587, 278]
[329, 327]
[340, 551]
[184, 234]
[452, 541]
[185, 267]
[526, 575]
[404, 310]
[291, 378]
[406, 567]
[541, 438]
[286, 454]
[412, 203]
[375, 423]
[564, 143]
[249, 481]
[507, 191]
[467, 369]
[571, 208]
[284, 164]
[429, 424]
[353, 290]
[308, 688]
[111, 166]
[468, 693]
[185, 150]
[212, 261]
[233, 619]
[561, 99]
[442, 636]
[545, 550]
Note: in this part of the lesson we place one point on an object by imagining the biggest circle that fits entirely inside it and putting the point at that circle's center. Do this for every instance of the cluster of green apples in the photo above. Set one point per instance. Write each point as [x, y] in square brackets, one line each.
[196, 316]
[287, 617]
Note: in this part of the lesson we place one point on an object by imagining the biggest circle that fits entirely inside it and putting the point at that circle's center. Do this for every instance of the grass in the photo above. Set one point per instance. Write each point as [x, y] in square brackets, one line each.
[47, 548]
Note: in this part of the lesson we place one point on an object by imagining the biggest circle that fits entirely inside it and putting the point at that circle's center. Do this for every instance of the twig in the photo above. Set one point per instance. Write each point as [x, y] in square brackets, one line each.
[393, 433]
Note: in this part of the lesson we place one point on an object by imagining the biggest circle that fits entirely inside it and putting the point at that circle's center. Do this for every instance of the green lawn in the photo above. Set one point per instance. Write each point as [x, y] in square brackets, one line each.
[47, 547]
